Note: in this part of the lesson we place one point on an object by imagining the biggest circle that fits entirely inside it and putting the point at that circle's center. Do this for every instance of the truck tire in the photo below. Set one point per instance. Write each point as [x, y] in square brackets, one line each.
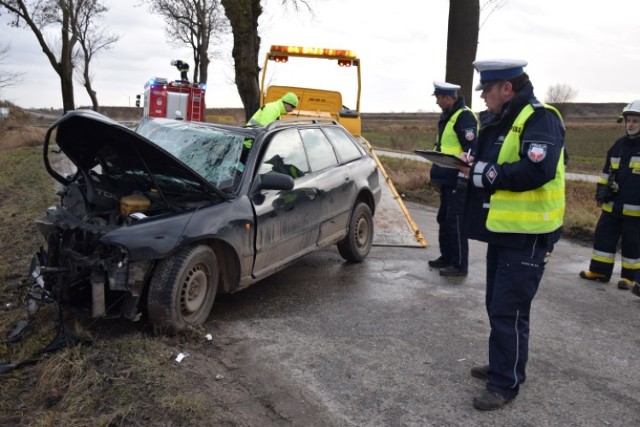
[182, 289]
[357, 243]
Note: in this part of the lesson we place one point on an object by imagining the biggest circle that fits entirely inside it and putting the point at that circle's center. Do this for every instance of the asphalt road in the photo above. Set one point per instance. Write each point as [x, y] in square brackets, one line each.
[389, 342]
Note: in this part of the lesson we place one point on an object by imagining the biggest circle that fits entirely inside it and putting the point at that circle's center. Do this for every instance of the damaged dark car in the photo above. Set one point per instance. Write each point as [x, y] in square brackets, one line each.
[158, 221]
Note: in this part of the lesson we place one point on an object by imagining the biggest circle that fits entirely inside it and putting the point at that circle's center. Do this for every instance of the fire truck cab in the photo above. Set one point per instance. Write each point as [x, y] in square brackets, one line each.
[179, 99]
[315, 102]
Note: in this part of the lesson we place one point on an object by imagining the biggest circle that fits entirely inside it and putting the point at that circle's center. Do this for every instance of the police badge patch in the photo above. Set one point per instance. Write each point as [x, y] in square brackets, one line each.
[537, 152]
[470, 134]
[491, 174]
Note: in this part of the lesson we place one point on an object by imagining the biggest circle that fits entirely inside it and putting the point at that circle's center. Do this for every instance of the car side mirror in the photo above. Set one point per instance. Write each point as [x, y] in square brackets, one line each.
[273, 181]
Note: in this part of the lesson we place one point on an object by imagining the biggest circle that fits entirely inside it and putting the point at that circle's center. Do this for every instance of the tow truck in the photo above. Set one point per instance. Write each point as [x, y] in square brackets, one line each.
[394, 225]
[315, 102]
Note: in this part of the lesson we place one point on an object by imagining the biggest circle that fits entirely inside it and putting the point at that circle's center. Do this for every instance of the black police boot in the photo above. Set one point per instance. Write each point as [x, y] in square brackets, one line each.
[453, 271]
[481, 372]
[490, 401]
[440, 262]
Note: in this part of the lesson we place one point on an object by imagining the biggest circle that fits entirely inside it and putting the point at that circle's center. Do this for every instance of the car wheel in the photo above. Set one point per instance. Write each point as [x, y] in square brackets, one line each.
[183, 288]
[357, 243]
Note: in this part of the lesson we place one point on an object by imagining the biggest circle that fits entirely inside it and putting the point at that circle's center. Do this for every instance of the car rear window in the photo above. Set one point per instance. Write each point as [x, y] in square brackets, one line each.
[345, 146]
[319, 150]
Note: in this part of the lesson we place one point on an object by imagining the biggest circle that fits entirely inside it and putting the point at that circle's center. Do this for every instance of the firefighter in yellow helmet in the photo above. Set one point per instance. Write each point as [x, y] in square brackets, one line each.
[272, 111]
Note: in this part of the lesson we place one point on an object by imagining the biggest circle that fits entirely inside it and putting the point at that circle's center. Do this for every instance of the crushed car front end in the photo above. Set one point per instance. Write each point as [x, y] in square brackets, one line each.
[124, 203]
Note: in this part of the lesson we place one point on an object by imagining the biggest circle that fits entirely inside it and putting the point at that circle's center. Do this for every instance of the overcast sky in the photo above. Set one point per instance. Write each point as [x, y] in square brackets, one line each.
[590, 45]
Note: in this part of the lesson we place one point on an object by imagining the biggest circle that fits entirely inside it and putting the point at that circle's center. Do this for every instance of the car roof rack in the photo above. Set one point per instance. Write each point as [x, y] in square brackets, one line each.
[303, 120]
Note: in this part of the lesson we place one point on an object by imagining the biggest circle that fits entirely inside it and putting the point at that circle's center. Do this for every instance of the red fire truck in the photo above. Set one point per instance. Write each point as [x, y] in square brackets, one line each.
[178, 99]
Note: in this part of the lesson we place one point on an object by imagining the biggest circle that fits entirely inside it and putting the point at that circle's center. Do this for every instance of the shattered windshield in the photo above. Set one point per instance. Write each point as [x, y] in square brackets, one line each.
[212, 153]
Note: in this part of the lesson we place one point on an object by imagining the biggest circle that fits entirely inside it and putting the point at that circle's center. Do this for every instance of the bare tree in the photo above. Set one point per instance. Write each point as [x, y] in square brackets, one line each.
[560, 93]
[91, 39]
[243, 16]
[8, 78]
[462, 44]
[64, 15]
[488, 7]
[193, 23]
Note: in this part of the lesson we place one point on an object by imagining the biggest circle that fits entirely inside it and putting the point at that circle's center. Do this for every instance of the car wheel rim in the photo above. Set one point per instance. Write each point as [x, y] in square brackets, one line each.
[194, 289]
[362, 232]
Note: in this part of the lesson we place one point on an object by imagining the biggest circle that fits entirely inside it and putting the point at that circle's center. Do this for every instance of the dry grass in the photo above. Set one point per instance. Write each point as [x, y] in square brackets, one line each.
[411, 179]
[581, 211]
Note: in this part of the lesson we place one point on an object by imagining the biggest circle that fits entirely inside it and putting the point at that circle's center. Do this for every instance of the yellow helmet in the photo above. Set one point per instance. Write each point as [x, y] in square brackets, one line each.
[290, 98]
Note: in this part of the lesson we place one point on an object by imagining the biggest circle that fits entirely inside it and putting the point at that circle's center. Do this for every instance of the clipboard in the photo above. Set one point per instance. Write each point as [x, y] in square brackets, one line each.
[442, 159]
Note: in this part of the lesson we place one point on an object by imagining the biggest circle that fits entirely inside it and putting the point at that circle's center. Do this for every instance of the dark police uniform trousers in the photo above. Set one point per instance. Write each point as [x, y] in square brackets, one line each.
[454, 246]
[509, 309]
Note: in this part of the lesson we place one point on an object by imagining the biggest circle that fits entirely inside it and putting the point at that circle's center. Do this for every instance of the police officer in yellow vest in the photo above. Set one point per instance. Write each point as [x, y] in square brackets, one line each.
[457, 130]
[271, 111]
[515, 203]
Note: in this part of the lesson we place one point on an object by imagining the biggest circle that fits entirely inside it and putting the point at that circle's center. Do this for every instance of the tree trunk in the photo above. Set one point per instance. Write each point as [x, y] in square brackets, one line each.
[204, 67]
[243, 16]
[462, 44]
[66, 84]
[89, 88]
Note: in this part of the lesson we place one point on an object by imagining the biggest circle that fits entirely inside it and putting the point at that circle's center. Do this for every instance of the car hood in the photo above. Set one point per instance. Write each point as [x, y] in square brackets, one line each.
[88, 139]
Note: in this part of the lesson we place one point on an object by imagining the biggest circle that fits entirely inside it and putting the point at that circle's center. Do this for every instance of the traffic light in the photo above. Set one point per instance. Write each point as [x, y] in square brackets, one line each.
[137, 100]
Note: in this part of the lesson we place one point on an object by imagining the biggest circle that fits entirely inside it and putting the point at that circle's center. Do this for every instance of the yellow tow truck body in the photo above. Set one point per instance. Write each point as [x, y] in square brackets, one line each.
[315, 102]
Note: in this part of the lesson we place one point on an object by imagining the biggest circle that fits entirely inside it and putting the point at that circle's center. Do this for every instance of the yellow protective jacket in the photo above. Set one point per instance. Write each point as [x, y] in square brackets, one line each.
[449, 143]
[268, 113]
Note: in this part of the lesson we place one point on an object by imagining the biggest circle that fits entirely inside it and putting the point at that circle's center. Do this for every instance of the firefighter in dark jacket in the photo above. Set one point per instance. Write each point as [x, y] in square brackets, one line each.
[515, 203]
[618, 192]
[457, 131]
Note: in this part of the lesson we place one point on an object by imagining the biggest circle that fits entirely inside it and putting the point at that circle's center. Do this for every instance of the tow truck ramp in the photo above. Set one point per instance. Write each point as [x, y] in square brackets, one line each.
[393, 223]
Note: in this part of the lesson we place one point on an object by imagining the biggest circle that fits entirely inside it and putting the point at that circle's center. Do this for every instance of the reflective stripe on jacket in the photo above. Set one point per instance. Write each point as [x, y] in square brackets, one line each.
[529, 212]
[622, 167]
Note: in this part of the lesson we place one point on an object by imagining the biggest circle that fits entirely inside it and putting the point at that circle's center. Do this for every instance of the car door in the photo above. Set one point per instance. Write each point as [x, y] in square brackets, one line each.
[286, 221]
[336, 187]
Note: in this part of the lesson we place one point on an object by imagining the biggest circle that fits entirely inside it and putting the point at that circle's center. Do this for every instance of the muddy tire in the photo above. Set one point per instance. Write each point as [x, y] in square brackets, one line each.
[183, 288]
[357, 243]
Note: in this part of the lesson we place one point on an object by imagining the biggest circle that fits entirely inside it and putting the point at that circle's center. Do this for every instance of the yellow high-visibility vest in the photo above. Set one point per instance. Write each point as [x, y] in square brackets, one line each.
[449, 143]
[530, 212]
